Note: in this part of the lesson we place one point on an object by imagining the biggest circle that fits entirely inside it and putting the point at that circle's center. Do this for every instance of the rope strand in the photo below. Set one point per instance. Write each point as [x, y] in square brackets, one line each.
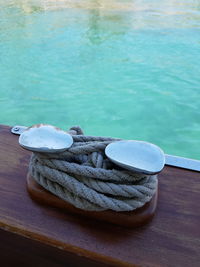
[84, 177]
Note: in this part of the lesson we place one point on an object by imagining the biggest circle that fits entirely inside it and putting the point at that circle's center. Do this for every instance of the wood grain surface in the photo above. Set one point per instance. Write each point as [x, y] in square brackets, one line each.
[172, 238]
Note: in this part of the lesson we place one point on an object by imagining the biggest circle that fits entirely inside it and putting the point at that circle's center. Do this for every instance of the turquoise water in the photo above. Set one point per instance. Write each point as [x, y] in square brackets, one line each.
[127, 69]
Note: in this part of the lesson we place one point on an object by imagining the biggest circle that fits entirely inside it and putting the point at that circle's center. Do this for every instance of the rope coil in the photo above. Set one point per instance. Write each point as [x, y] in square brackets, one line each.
[87, 179]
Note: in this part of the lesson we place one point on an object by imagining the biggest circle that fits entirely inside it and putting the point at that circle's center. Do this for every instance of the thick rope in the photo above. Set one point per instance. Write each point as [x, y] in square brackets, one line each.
[86, 178]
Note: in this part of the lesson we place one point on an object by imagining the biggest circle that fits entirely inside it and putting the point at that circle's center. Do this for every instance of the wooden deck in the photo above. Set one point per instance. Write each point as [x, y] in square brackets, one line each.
[35, 235]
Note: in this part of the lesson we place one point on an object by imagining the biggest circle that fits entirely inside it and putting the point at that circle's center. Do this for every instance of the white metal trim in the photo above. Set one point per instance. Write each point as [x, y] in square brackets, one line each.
[181, 162]
[175, 161]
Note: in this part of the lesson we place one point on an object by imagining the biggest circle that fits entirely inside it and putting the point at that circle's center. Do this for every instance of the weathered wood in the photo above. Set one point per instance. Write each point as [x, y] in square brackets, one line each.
[172, 238]
[131, 219]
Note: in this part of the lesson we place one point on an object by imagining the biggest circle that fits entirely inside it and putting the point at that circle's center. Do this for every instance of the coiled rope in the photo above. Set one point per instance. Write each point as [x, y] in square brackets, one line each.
[86, 178]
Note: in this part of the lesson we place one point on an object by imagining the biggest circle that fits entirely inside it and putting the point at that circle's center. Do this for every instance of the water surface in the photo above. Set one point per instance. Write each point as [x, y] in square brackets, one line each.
[127, 69]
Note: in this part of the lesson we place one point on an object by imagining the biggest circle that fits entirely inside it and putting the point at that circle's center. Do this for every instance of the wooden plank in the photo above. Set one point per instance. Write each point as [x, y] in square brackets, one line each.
[172, 238]
[16, 250]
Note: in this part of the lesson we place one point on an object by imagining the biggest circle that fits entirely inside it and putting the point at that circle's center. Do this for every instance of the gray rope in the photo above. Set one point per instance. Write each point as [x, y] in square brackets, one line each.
[84, 177]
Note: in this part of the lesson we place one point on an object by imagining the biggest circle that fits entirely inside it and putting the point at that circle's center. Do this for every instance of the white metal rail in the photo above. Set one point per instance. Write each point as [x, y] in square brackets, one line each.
[175, 161]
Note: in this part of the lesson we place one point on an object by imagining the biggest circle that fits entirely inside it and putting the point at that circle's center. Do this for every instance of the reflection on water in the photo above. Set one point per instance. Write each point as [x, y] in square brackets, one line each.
[166, 13]
[165, 6]
[31, 5]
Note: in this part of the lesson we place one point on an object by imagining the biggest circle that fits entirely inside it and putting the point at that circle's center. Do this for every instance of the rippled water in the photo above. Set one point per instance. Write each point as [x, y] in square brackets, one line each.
[128, 69]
